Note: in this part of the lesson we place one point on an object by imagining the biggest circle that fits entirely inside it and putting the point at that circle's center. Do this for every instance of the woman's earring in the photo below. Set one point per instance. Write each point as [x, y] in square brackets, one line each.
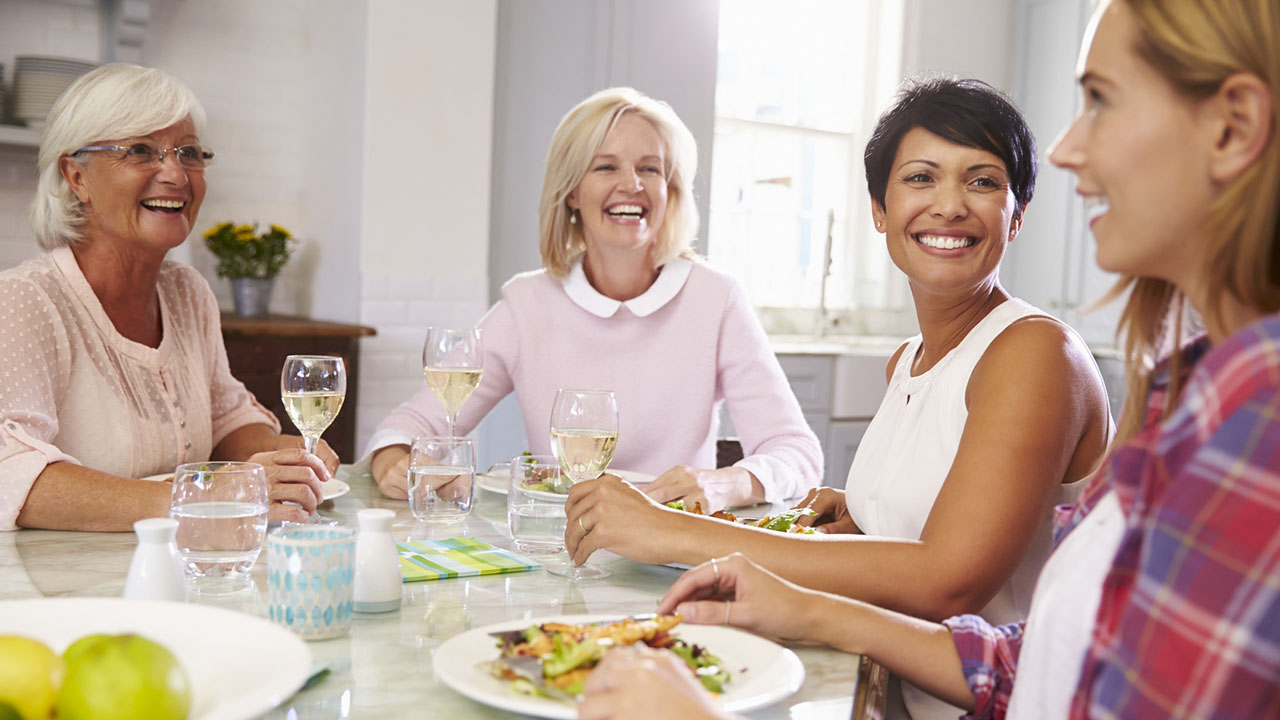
[573, 217]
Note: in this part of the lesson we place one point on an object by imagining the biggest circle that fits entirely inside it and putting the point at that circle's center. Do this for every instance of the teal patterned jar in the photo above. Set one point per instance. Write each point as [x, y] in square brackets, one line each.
[310, 569]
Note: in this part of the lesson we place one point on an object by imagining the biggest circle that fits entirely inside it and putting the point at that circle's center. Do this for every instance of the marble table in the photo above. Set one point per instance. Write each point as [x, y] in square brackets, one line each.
[383, 668]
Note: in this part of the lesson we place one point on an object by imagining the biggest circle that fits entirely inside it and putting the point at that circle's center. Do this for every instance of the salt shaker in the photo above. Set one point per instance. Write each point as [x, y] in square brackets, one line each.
[156, 571]
[377, 581]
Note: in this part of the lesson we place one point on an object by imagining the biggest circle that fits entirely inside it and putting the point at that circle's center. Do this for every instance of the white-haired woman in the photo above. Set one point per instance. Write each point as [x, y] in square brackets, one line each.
[622, 304]
[114, 366]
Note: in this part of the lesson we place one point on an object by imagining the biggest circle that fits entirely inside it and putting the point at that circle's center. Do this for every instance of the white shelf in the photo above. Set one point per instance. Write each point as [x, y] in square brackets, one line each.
[15, 135]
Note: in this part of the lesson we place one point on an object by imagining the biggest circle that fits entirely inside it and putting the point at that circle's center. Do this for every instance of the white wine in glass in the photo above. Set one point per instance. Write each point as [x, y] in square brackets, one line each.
[453, 362]
[584, 435]
[313, 388]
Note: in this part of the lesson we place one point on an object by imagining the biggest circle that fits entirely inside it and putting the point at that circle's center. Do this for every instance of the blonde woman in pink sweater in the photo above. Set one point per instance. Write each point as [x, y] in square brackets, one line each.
[623, 304]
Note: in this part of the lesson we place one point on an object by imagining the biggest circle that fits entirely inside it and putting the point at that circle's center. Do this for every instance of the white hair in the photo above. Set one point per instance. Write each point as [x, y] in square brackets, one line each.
[115, 101]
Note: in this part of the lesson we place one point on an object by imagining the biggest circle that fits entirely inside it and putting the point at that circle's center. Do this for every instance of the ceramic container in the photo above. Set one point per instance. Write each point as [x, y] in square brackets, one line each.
[378, 581]
[310, 571]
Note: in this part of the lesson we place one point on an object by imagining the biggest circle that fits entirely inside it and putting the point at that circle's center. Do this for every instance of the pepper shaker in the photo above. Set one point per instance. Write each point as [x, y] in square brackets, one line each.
[378, 581]
[156, 570]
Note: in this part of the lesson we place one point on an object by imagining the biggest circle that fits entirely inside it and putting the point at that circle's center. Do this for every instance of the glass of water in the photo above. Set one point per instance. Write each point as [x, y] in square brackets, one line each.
[535, 504]
[442, 473]
[221, 509]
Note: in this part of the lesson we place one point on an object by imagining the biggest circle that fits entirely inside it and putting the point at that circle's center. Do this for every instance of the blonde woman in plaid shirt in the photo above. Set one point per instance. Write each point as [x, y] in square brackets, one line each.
[1163, 596]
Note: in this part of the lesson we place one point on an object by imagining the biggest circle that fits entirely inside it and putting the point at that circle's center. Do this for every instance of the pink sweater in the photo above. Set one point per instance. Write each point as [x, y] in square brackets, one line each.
[671, 356]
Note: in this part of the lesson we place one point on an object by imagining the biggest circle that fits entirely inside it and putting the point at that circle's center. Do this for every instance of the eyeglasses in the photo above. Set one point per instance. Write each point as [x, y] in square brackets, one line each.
[191, 157]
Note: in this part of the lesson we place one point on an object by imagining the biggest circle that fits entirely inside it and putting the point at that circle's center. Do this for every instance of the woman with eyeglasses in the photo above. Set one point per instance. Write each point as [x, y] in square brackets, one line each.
[1162, 598]
[112, 357]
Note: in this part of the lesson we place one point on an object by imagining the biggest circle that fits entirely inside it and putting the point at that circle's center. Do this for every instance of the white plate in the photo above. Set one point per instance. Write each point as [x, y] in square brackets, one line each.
[772, 672]
[332, 489]
[497, 481]
[239, 666]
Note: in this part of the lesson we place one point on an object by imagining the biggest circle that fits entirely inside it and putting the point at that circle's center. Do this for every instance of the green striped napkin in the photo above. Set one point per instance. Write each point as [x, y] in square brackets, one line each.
[457, 557]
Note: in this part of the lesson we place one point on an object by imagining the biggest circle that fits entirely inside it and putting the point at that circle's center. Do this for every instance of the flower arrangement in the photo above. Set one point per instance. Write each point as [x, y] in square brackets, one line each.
[244, 252]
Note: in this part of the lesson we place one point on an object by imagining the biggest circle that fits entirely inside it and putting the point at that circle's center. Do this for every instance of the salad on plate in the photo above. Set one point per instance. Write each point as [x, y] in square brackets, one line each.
[554, 659]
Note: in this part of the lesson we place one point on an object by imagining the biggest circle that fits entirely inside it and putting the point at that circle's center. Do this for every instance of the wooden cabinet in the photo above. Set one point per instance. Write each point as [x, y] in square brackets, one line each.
[257, 348]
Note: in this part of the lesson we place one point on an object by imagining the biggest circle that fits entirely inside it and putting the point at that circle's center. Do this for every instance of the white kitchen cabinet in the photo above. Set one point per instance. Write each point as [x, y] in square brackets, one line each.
[838, 393]
[843, 437]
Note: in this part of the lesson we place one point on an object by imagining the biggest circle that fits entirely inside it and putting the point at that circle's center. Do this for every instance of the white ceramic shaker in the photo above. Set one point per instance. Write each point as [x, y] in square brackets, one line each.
[377, 581]
[156, 571]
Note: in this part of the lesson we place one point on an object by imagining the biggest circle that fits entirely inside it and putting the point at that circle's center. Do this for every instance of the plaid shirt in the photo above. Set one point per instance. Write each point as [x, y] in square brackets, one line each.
[1189, 621]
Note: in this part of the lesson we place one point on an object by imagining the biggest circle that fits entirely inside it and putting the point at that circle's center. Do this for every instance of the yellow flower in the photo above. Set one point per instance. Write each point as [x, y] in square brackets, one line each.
[277, 229]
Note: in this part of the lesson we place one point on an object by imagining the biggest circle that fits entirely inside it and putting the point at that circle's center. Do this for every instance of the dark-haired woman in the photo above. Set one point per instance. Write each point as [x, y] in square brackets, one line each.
[994, 413]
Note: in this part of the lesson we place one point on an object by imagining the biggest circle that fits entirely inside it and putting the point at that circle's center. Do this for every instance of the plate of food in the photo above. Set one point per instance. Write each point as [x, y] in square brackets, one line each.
[536, 666]
[332, 489]
[496, 479]
[237, 665]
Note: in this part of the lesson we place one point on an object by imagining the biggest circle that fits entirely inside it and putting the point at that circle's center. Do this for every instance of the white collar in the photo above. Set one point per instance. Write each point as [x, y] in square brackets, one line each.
[670, 280]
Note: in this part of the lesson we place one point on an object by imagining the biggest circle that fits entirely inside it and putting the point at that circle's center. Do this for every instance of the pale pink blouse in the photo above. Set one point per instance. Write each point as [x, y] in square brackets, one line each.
[73, 389]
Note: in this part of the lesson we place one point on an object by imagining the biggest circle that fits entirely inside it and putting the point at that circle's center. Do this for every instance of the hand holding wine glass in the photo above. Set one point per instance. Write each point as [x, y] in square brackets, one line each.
[313, 388]
[584, 435]
[452, 361]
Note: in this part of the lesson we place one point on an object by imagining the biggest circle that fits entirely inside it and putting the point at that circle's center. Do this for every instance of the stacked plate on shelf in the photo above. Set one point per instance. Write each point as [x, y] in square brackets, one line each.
[4, 97]
[38, 80]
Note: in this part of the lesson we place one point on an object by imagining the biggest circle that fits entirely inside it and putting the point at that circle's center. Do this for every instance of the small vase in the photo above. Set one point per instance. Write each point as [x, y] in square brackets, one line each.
[252, 296]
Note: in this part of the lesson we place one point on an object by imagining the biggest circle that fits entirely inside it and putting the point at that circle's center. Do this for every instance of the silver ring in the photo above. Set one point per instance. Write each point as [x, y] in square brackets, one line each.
[584, 527]
[716, 569]
[728, 608]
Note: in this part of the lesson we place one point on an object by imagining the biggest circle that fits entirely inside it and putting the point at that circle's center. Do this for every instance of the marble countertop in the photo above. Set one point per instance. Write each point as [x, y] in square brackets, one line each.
[383, 668]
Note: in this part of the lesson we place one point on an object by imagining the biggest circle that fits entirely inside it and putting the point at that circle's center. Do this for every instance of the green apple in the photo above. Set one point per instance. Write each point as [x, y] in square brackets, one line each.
[122, 676]
[29, 677]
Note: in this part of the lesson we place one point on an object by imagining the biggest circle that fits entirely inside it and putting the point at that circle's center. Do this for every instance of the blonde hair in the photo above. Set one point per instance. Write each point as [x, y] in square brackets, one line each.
[114, 101]
[577, 140]
[1196, 46]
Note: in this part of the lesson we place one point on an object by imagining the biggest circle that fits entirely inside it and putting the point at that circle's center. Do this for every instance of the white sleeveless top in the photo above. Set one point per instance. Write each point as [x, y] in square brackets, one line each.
[905, 456]
[1063, 614]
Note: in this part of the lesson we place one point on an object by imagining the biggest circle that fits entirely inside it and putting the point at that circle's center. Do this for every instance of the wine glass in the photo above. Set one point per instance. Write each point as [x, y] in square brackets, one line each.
[452, 361]
[313, 388]
[584, 434]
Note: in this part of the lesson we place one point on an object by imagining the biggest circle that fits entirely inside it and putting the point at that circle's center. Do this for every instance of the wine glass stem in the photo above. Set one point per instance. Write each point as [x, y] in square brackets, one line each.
[309, 442]
[453, 421]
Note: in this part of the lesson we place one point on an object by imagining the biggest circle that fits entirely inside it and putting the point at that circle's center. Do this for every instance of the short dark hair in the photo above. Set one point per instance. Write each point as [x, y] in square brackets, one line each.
[965, 112]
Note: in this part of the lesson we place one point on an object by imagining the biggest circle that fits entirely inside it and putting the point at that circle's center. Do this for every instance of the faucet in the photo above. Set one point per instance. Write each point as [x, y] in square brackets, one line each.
[822, 320]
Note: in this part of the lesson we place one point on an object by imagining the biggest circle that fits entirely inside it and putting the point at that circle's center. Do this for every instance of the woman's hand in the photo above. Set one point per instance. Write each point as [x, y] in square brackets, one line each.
[293, 482]
[610, 513]
[390, 467]
[734, 591]
[714, 489]
[640, 682]
[327, 456]
[832, 513]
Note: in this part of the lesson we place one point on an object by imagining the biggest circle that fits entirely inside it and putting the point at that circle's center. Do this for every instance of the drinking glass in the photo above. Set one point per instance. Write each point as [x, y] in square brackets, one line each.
[535, 504]
[584, 434]
[452, 361]
[313, 388]
[221, 509]
[442, 473]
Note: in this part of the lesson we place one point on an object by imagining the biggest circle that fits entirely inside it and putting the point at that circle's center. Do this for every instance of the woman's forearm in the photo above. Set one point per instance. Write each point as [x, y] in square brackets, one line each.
[918, 651]
[245, 441]
[67, 496]
[902, 575]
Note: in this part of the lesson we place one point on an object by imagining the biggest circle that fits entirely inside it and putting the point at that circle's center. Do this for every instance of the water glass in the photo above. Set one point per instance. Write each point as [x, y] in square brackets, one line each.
[535, 504]
[442, 473]
[310, 571]
[221, 509]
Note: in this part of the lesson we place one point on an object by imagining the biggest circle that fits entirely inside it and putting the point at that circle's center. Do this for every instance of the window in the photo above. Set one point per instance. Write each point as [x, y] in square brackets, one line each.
[799, 85]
